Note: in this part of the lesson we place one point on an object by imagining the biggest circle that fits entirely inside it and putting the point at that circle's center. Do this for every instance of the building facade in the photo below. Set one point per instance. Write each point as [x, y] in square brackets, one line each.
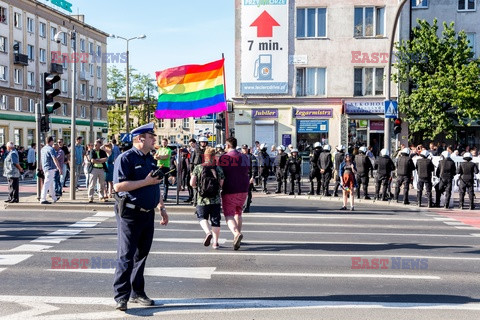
[311, 71]
[28, 50]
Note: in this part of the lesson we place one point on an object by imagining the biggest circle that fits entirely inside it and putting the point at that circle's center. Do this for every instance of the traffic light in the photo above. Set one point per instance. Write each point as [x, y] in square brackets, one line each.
[44, 125]
[397, 126]
[220, 124]
[49, 92]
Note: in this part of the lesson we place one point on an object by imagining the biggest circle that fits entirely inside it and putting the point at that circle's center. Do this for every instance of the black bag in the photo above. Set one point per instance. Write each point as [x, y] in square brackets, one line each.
[209, 185]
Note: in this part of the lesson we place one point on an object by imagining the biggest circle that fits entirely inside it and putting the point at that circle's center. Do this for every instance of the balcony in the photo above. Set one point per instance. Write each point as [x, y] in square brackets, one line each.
[84, 76]
[21, 59]
[56, 68]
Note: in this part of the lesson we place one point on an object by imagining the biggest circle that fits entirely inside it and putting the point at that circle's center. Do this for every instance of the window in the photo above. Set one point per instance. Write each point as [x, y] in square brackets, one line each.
[311, 81]
[42, 30]
[83, 89]
[99, 93]
[64, 109]
[31, 52]
[3, 73]
[90, 69]
[471, 41]
[17, 137]
[90, 48]
[368, 82]
[172, 139]
[90, 91]
[99, 72]
[18, 104]
[99, 113]
[31, 105]
[53, 32]
[31, 78]
[83, 112]
[420, 4]
[369, 21]
[311, 22]
[30, 25]
[99, 51]
[15, 42]
[42, 56]
[186, 139]
[64, 86]
[186, 123]
[64, 64]
[466, 5]
[82, 45]
[64, 38]
[18, 76]
[161, 123]
[173, 123]
[3, 102]
[3, 44]
[17, 20]
[3, 15]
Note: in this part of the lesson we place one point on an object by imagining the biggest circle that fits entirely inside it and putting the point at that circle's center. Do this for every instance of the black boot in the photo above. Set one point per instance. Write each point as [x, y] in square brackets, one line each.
[279, 187]
[419, 199]
[311, 193]
[285, 184]
[299, 188]
[472, 204]
[318, 189]
[405, 198]
[292, 188]
[437, 199]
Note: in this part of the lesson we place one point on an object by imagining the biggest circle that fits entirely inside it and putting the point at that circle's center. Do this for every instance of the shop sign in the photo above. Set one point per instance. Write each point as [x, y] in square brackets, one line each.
[312, 113]
[367, 107]
[265, 113]
[377, 125]
[363, 123]
[312, 126]
[286, 139]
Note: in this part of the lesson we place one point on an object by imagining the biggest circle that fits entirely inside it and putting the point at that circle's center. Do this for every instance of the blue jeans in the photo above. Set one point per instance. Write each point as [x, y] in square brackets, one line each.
[58, 184]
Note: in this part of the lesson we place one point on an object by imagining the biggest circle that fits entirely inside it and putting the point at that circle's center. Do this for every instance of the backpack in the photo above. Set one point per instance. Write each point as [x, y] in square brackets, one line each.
[209, 185]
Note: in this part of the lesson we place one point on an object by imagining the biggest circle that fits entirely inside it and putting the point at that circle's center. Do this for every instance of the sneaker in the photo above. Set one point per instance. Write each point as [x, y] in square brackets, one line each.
[237, 241]
[143, 300]
[352, 209]
[343, 208]
[207, 240]
[45, 202]
[90, 201]
[121, 305]
[215, 246]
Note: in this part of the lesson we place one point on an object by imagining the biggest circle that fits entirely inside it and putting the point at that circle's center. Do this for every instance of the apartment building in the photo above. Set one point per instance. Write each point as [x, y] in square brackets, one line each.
[28, 50]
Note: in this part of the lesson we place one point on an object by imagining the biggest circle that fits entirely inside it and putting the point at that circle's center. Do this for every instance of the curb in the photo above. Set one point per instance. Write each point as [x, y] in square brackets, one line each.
[81, 207]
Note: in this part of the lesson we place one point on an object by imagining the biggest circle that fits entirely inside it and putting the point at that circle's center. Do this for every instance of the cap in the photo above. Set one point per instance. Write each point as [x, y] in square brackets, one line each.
[203, 139]
[244, 146]
[146, 128]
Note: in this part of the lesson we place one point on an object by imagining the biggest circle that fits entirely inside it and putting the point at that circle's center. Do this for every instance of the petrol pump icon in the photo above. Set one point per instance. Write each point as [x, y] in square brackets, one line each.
[263, 67]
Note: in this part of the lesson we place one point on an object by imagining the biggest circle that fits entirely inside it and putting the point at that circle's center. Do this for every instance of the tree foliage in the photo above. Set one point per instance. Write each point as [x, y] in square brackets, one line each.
[444, 77]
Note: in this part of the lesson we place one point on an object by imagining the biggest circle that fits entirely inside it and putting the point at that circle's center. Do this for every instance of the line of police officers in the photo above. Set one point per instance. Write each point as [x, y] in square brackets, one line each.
[322, 168]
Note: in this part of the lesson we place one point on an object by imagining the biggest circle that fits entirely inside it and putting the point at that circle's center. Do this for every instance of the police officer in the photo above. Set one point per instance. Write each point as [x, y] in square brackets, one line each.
[425, 169]
[364, 166]
[326, 168]
[279, 164]
[137, 195]
[338, 159]
[219, 151]
[265, 164]
[250, 156]
[293, 169]
[314, 168]
[385, 167]
[197, 158]
[405, 168]
[446, 170]
[467, 171]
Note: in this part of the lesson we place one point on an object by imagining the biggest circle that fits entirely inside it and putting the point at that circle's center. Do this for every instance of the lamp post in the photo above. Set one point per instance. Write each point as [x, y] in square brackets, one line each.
[127, 95]
[387, 139]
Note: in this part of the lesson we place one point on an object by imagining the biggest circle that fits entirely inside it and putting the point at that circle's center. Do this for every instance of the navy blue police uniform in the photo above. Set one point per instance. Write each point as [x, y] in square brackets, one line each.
[135, 224]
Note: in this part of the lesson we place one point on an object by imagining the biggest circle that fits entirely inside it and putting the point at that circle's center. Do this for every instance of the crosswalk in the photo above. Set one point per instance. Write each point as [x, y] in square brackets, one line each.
[285, 258]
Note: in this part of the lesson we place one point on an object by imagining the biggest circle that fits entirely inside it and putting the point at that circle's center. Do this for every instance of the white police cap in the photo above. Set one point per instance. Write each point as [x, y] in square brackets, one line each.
[146, 128]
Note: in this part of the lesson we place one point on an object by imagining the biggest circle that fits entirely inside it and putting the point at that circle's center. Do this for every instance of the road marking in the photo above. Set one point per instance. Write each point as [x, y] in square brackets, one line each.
[457, 223]
[1, 269]
[10, 260]
[475, 234]
[444, 219]
[467, 228]
[177, 272]
[57, 236]
[184, 240]
[83, 224]
[31, 248]
[340, 216]
[108, 214]
[267, 254]
[95, 219]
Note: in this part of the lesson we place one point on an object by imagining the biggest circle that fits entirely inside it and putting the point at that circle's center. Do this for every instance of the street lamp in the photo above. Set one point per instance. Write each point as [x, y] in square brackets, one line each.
[73, 36]
[127, 96]
[387, 140]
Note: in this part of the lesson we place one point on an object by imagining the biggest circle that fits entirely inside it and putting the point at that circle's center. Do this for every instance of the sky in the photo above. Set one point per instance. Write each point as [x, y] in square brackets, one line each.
[178, 31]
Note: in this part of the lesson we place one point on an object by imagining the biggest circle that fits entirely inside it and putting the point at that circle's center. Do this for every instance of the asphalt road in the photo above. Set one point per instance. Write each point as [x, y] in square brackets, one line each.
[300, 258]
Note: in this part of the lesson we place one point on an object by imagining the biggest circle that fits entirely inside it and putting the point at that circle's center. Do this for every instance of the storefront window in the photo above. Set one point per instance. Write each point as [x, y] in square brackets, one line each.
[66, 137]
[30, 137]
[309, 132]
[17, 137]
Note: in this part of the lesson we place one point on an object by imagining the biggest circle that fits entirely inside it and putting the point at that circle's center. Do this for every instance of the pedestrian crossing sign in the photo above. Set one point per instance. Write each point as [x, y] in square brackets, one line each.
[391, 109]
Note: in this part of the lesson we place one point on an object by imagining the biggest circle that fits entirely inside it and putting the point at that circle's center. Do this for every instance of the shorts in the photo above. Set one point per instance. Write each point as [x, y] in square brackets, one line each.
[233, 203]
[348, 180]
[32, 166]
[210, 212]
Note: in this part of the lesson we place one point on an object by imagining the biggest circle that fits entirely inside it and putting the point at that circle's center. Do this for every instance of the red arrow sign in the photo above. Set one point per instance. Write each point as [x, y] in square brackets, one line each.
[265, 24]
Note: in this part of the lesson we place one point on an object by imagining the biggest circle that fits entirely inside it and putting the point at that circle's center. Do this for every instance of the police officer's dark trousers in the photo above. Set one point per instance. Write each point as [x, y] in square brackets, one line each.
[440, 188]
[326, 177]
[362, 181]
[135, 235]
[315, 174]
[295, 177]
[427, 183]
[405, 181]
[279, 175]
[466, 186]
[381, 181]
[265, 173]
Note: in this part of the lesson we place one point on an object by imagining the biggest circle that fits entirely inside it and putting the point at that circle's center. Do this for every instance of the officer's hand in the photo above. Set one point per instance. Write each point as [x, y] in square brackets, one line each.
[152, 180]
[164, 220]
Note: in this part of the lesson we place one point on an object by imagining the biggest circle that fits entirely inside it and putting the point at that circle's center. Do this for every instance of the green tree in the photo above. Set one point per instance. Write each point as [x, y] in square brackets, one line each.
[444, 77]
[116, 121]
[116, 82]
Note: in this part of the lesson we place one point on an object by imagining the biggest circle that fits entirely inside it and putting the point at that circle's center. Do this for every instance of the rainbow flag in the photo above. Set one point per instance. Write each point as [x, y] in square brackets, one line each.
[191, 91]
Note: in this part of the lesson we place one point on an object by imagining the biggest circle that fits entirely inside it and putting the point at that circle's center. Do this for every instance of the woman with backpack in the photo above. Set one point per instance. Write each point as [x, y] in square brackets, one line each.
[208, 179]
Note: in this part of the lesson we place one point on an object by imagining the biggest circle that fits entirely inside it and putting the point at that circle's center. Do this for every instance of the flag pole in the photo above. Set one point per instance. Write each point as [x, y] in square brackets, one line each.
[225, 114]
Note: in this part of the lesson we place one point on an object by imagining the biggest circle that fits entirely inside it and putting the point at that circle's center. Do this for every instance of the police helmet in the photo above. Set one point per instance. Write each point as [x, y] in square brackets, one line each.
[406, 151]
[467, 156]
[294, 150]
[263, 146]
[281, 147]
[317, 145]
[363, 150]
[219, 146]
[327, 147]
[445, 154]
[203, 139]
[425, 153]
[384, 152]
